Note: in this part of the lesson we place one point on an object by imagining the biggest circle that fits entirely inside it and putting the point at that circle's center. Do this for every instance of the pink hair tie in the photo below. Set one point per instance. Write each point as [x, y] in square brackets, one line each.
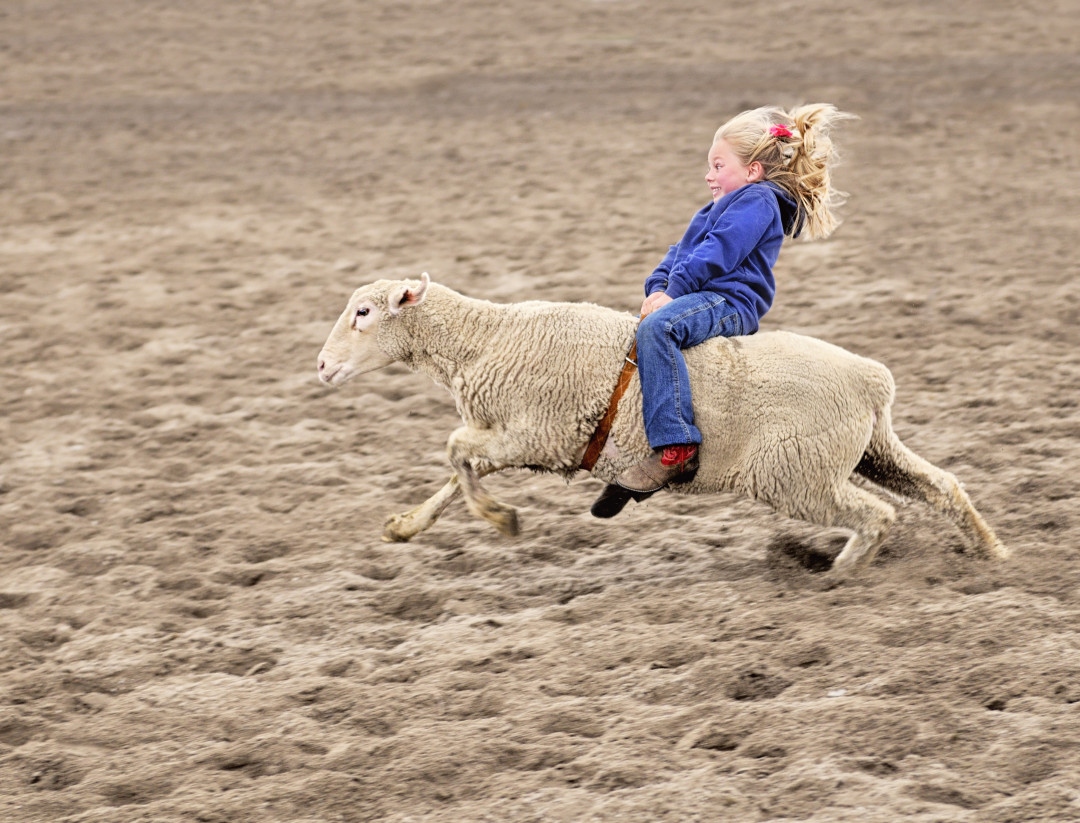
[780, 130]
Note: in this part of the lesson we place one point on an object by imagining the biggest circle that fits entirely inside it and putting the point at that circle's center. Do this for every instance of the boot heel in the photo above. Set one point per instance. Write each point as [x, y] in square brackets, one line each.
[613, 499]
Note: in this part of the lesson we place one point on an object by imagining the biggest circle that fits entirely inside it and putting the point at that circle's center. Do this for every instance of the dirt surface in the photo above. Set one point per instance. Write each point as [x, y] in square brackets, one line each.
[198, 619]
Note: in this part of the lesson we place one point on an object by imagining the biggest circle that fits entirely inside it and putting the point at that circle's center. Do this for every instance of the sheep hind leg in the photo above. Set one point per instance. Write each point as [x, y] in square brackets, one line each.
[471, 457]
[400, 528]
[893, 466]
[483, 505]
[867, 516]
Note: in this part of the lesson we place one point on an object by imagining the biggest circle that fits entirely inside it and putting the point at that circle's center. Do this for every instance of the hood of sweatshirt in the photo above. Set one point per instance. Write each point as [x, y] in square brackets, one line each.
[790, 217]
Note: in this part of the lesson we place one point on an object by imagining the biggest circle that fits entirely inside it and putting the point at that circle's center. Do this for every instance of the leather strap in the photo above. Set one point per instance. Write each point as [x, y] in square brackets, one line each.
[600, 436]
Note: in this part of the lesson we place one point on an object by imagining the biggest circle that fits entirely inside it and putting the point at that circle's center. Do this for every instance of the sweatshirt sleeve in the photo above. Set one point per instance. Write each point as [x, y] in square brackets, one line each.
[658, 280]
[735, 234]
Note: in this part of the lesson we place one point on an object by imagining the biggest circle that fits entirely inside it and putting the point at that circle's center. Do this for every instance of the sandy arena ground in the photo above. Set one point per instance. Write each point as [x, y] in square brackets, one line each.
[198, 619]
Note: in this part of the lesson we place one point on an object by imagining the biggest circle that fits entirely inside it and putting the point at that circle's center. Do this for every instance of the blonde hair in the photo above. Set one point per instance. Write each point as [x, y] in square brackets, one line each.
[796, 152]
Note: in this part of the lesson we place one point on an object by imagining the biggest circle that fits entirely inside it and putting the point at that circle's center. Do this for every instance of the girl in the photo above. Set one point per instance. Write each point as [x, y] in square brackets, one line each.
[769, 178]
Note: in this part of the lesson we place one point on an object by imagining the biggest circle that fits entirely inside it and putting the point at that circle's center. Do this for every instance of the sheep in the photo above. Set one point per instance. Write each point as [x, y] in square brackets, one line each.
[786, 419]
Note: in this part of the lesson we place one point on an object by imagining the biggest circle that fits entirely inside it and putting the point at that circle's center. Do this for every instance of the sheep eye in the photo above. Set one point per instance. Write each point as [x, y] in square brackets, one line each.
[362, 312]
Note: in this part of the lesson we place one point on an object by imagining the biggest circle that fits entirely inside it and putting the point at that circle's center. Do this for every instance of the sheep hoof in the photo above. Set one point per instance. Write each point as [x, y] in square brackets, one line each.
[396, 530]
[505, 519]
[844, 567]
[838, 573]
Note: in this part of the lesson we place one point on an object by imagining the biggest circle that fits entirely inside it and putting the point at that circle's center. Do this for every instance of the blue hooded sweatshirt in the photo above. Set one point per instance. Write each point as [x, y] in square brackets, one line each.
[730, 248]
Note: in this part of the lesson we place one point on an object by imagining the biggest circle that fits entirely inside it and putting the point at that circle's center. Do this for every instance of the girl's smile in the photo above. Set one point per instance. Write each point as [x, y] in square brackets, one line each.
[726, 171]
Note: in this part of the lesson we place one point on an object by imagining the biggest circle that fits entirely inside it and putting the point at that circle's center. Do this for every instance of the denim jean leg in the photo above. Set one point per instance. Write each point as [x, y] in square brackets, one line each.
[665, 382]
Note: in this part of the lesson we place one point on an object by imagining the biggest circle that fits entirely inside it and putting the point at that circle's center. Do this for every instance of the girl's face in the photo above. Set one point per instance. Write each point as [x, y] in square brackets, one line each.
[726, 171]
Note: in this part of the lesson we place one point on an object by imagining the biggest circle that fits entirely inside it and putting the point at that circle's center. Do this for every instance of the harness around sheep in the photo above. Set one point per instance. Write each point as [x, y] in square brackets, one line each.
[786, 419]
[599, 439]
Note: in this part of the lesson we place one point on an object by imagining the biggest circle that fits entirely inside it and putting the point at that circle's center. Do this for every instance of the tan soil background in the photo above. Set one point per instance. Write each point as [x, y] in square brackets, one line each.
[198, 619]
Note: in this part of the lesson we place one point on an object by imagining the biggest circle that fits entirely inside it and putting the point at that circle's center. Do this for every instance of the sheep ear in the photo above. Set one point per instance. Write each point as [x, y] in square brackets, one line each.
[402, 295]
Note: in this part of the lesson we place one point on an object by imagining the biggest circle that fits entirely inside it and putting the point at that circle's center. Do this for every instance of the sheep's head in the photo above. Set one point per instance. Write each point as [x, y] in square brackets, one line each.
[353, 346]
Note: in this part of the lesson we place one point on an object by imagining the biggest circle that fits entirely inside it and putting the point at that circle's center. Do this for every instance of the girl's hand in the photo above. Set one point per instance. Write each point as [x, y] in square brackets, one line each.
[653, 302]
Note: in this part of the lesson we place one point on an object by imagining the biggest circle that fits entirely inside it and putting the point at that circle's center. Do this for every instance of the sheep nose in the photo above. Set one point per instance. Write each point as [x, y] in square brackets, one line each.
[322, 365]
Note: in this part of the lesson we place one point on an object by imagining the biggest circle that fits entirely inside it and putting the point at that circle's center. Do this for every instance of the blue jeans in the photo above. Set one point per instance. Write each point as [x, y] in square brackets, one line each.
[665, 383]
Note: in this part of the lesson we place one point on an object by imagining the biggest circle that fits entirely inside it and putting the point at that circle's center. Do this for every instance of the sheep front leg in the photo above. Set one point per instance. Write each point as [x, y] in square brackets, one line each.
[473, 454]
[400, 528]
